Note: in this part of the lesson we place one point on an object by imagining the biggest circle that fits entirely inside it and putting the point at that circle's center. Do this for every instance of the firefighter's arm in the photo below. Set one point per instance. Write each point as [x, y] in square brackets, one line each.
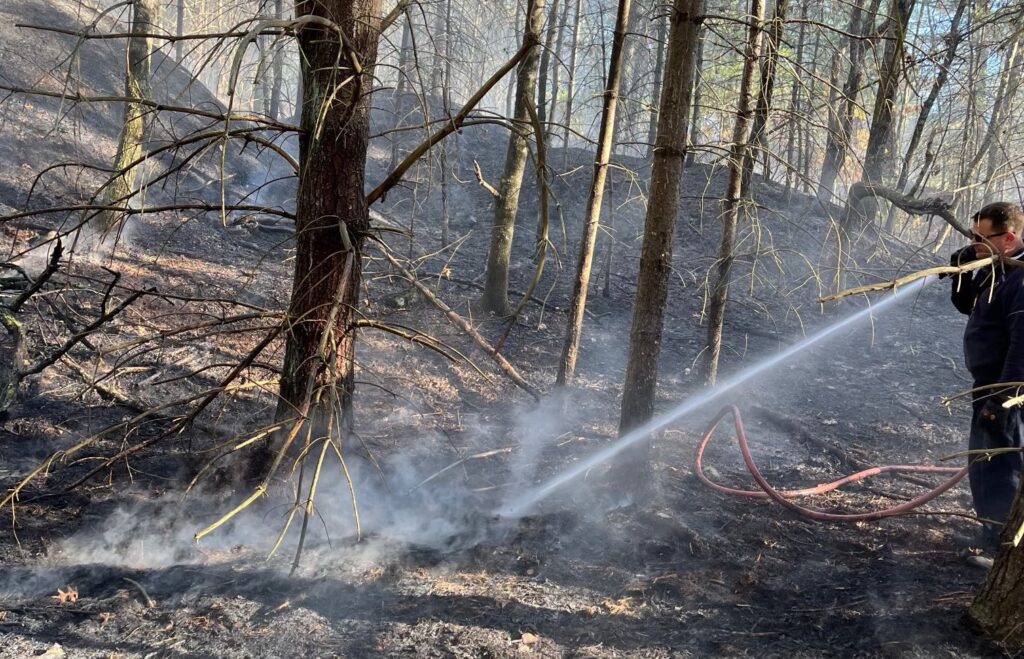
[963, 292]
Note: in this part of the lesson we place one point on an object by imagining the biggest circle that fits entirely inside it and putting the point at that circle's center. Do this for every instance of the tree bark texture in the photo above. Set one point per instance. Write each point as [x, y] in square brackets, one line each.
[495, 296]
[332, 216]
[739, 162]
[663, 205]
[605, 145]
[997, 608]
[145, 20]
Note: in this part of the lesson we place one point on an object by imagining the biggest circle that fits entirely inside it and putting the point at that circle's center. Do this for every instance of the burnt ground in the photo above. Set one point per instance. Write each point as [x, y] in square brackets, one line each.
[682, 571]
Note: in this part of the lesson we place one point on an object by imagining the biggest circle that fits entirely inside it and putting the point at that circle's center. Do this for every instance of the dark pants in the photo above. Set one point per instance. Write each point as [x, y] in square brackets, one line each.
[994, 480]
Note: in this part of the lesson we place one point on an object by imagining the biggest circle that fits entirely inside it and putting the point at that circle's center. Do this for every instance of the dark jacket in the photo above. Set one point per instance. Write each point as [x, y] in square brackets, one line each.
[994, 338]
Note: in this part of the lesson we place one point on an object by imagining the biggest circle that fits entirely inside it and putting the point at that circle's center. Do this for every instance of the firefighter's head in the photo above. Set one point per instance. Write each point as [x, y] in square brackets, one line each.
[997, 226]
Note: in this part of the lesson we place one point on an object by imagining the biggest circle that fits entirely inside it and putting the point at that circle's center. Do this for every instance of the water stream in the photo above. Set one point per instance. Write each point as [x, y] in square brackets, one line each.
[523, 504]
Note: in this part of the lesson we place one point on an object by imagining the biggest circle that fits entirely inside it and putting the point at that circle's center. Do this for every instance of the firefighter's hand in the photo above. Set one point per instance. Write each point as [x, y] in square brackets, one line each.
[959, 258]
[993, 411]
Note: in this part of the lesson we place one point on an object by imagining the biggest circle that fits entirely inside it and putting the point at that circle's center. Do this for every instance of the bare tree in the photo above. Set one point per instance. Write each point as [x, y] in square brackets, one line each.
[739, 163]
[495, 296]
[339, 42]
[663, 205]
[605, 145]
[144, 22]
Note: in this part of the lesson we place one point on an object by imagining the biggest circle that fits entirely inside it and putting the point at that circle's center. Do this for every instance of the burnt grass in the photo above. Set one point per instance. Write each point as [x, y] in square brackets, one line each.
[679, 571]
[682, 571]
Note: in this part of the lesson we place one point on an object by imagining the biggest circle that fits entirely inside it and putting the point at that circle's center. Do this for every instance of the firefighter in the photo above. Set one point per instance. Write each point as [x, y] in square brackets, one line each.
[993, 299]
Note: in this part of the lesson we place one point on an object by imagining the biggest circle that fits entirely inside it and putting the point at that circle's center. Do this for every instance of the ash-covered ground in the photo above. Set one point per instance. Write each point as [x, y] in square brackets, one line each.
[110, 568]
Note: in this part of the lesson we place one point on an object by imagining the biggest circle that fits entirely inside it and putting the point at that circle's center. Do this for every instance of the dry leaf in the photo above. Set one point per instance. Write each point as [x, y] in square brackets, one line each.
[70, 595]
[529, 639]
[55, 651]
[619, 607]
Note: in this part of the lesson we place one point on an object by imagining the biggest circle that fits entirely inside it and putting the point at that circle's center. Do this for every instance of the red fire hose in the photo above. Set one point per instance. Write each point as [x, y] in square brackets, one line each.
[783, 497]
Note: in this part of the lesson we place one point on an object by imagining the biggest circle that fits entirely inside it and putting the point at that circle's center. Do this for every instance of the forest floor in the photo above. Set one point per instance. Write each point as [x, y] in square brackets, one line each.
[110, 568]
[684, 572]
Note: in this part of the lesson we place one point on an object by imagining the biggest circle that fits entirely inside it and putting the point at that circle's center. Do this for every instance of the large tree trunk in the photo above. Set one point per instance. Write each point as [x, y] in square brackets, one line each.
[495, 297]
[739, 162]
[656, 252]
[882, 138]
[839, 140]
[331, 218]
[145, 21]
[998, 606]
[605, 144]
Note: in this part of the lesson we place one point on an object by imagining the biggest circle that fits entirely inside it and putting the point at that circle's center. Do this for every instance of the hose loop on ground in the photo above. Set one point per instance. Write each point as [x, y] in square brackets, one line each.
[784, 497]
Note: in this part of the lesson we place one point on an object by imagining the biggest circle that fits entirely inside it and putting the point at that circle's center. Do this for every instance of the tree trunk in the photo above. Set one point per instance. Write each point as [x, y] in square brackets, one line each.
[405, 58]
[739, 161]
[179, 46]
[331, 220]
[839, 141]
[556, 72]
[605, 145]
[277, 69]
[997, 607]
[759, 130]
[663, 204]
[446, 100]
[1009, 80]
[882, 138]
[545, 66]
[145, 20]
[697, 95]
[571, 86]
[795, 106]
[495, 297]
[659, 68]
[952, 41]
[622, 128]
